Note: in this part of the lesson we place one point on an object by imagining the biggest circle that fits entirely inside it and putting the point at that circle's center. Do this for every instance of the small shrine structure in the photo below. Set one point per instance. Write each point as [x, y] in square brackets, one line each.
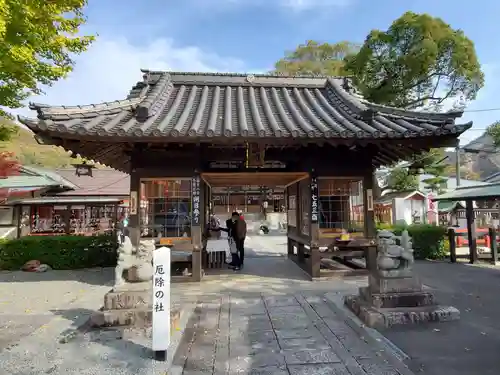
[179, 135]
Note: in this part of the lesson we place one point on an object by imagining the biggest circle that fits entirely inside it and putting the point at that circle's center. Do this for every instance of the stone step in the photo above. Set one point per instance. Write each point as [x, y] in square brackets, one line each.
[128, 299]
[394, 300]
[130, 318]
[381, 318]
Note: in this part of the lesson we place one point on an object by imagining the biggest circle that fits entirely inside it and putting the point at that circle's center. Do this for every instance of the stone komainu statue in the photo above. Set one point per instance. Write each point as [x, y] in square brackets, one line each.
[140, 258]
[393, 259]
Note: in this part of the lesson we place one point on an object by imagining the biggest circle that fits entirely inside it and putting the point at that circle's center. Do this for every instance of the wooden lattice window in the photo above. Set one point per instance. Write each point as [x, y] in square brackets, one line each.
[341, 205]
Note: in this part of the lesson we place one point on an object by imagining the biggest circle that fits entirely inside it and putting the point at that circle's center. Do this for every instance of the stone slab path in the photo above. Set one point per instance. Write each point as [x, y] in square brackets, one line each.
[295, 334]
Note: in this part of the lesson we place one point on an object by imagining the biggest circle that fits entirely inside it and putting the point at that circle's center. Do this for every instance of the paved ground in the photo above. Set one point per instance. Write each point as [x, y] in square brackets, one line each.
[469, 346]
[268, 318]
[29, 301]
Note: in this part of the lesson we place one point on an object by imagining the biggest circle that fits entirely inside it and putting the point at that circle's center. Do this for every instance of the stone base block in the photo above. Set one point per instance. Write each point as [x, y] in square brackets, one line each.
[378, 284]
[128, 299]
[394, 300]
[130, 318]
[381, 318]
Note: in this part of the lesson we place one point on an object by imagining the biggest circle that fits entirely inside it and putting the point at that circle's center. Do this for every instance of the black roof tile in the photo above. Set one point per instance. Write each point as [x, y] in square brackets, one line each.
[200, 105]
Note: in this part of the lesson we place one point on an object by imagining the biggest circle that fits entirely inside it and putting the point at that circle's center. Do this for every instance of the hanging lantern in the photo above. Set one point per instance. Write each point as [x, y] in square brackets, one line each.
[83, 169]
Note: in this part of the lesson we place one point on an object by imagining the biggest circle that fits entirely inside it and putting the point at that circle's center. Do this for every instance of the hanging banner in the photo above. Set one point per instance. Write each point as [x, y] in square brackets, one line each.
[314, 201]
[369, 199]
[161, 301]
[133, 203]
[195, 200]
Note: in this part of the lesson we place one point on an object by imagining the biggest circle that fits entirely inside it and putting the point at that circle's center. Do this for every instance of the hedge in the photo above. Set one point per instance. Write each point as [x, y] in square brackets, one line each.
[429, 241]
[59, 252]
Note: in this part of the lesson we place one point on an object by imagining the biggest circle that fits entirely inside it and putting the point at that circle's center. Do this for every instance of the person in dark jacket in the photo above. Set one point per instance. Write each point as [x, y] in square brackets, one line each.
[236, 228]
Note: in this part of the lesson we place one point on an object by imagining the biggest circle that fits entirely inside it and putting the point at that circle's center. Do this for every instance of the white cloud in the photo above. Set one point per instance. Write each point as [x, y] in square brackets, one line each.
[109, 69]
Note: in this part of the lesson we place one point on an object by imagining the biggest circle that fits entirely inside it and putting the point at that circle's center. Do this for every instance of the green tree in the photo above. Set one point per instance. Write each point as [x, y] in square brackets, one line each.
[400, 180]
[317, 58]
[434, 165]
[37, 42]
[494, 132]
[419, 61]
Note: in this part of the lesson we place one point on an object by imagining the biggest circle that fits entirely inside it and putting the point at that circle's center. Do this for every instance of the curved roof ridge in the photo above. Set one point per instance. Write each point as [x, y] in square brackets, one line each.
[360, 105]
[55, 109]
[236, 74]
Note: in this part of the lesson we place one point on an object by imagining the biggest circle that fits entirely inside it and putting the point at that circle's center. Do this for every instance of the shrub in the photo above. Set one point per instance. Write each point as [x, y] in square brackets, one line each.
[59, 252]
[384, 226]
[429, 241]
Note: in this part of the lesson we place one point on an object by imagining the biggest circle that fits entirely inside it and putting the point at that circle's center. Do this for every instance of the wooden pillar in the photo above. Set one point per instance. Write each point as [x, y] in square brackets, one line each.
[453, 245]
[493, 245]
[289, 246]
[314, 227]
[133, 228]
[471, 230]
[18, 210]
[197, 218]
[67, 219]
[368, 206]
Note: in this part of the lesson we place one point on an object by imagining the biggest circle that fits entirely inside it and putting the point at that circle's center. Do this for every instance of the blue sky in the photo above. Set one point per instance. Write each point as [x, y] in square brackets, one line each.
[249, 36]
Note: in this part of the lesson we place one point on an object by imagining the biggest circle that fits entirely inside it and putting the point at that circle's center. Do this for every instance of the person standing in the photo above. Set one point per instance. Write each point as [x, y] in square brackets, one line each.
[236, 228]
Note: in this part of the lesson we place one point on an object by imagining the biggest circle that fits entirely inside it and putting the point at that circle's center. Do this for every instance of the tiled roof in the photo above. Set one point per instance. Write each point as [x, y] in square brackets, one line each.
[104, 182]
[201, 105]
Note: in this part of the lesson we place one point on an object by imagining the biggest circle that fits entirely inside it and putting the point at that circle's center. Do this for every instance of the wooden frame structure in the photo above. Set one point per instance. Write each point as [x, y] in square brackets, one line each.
[236, 129]
[470, 194]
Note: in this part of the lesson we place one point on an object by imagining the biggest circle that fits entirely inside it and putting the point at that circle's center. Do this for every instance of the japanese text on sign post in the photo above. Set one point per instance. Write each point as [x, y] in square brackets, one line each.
[195, 200]
[161, 299]
[314, 201]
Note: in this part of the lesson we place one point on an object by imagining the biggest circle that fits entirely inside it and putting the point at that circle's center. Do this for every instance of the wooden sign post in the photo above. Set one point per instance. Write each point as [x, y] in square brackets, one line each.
[161, 302]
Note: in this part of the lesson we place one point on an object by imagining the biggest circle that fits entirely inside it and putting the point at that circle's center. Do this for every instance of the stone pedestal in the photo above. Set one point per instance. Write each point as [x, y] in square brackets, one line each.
[129, 306]
[389, 301]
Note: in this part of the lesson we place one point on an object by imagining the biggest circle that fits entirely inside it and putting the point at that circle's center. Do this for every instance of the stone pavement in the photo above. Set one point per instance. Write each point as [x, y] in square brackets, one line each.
[295, 334]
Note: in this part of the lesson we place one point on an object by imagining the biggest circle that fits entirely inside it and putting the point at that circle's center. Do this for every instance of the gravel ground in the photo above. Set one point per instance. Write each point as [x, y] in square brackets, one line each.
[30, 301]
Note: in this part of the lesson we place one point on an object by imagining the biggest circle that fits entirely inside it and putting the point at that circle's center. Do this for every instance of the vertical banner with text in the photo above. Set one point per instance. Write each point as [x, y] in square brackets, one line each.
[314, 200]
[369, 199]
[133, 203]
[161, 299]
[195, 200]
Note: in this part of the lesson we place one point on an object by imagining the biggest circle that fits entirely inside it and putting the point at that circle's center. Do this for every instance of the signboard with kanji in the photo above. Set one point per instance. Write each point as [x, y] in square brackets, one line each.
[314, 201]
[195, 201]
[161, 299]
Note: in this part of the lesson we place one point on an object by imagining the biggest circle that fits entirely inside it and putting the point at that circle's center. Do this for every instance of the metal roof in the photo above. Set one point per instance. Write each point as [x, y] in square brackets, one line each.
[486, 191]
[13, 182]
[176, 105]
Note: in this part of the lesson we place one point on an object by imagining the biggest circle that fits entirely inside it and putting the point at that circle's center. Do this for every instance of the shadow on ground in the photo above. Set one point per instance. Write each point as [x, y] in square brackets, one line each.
[468, 346]
[134, 352]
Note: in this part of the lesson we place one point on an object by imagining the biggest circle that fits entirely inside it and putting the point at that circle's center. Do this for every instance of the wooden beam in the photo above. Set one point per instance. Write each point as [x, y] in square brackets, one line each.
[471, 231]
